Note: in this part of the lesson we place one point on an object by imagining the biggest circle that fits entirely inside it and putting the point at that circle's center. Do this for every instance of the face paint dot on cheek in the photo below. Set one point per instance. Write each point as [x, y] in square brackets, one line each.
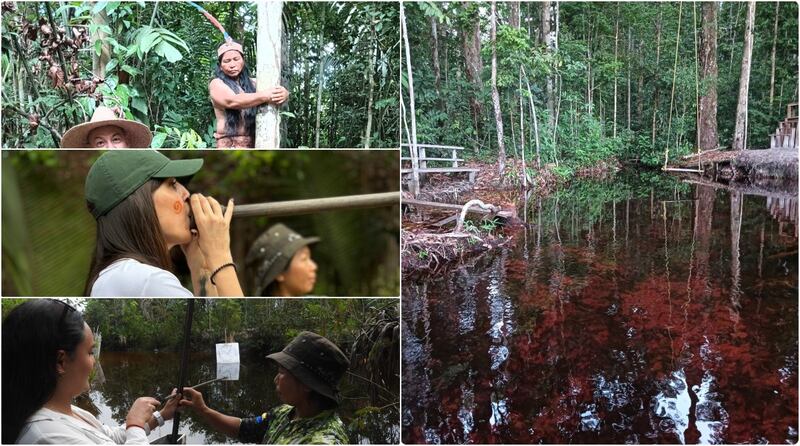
[177, 207]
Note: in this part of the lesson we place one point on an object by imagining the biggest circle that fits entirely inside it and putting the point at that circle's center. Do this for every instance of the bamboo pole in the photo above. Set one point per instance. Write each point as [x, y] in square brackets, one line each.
[314, 205]
[268, 65]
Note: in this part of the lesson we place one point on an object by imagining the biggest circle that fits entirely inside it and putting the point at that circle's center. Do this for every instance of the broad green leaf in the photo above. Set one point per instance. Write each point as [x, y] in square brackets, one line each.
[149, 40]
[158, 140]
[140, 105]
[111, 65]
[169, 52]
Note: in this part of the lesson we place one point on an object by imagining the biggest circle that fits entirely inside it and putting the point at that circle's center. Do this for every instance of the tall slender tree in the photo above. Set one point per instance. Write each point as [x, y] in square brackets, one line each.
[498, 117]
[740, 133]
[708, 78]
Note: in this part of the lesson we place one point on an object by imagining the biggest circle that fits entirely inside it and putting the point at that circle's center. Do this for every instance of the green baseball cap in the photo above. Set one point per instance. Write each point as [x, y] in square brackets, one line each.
[271, 253]
[119, 173]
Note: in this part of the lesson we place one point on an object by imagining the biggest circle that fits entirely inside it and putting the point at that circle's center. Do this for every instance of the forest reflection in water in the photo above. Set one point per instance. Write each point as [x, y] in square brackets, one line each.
[623, 312]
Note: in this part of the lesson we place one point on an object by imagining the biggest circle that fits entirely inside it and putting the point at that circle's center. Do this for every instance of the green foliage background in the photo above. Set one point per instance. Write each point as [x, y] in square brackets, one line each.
[586, 40]
[163, 57]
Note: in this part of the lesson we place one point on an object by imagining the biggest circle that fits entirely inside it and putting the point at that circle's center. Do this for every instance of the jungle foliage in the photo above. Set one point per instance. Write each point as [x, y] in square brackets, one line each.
[154, 60]
[580, 128]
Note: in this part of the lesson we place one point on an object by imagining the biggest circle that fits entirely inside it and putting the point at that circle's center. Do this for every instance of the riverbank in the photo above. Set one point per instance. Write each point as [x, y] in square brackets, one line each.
[431, 238]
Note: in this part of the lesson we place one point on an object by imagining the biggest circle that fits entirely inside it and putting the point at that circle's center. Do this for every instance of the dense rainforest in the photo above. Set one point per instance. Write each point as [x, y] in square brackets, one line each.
[573, 84]
[155, 60]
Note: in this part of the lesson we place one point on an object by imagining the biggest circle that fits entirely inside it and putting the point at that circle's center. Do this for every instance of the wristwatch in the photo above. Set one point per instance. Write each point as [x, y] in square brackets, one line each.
[159, 418]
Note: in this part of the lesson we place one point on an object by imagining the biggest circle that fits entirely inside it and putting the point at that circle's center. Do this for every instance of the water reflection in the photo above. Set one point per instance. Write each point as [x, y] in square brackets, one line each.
[662, 312]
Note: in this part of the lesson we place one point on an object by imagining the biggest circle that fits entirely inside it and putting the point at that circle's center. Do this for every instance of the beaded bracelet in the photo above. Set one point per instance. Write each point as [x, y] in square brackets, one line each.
[220, 268]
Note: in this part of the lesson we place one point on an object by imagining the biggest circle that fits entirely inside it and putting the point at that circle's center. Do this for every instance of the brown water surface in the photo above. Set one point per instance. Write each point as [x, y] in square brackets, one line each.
[640, 310]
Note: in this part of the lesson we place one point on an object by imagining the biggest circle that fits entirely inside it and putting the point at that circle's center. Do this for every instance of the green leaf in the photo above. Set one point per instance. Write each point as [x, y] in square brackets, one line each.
[170, 52]
[130, 70]
[122, 93]
[98, 7]
[149, 40]
[140, 105]
[111, 65]
[158, 140]
[112, 6]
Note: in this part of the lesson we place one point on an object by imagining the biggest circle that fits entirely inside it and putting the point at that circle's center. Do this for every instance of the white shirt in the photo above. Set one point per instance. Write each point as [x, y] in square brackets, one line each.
[47, 426]
[131, 278]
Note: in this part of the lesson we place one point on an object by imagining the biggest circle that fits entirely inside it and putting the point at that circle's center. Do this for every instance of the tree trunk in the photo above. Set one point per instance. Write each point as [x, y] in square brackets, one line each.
[616, 45]
[99, 62]
[628, 62]
[498, 117]
[371, 73]
[513, 14]
[772, 71]
[739, 134]
[306, 138]
[470, 39]
[550, 39]
[658, 59]
[270, 31]
[708, 78]
[413, 142]
[437, 73]
[320, 78]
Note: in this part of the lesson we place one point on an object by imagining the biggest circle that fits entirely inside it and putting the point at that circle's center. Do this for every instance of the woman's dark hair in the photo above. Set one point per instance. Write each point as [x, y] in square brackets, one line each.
[33, 333]
[243, 84]
[130, 230]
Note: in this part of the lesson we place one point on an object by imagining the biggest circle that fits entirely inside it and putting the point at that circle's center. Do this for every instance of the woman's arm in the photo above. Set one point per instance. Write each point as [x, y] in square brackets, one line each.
[223, 96]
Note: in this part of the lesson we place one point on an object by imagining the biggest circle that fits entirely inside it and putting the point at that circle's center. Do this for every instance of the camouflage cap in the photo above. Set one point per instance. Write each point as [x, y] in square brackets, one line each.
[316, 362]
[271, 253]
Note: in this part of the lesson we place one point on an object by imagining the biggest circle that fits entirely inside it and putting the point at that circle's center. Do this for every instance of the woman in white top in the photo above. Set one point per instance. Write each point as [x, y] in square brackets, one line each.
[47, 360]
[143, 209]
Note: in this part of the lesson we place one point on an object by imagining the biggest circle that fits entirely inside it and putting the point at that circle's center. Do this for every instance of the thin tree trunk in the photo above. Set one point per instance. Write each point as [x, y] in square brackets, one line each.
[628, 62]
[533, 117]
[772, 71]
[709, 72]
[513, 14]
[522, 133]
[270, 31]
[320, 79]
[471, 42]
[658, 59]
[550, 39]
[616, 45]
[413, 142]
[437, 74]
[739, 134]
[306, 138]
[498, 117]
[371, 73]
[99, 61]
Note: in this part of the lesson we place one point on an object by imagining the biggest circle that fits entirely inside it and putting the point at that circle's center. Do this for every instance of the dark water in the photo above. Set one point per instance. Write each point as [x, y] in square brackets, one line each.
[639, 310]
[130, 375]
